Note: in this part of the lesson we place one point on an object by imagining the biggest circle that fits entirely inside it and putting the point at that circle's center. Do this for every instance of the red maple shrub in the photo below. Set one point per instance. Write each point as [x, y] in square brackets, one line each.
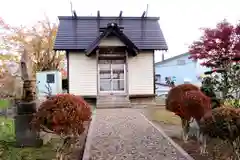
[175, 101]
[63, 114]
[196, 104]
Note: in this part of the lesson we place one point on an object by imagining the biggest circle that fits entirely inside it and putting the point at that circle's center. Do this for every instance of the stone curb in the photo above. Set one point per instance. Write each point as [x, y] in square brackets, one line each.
[86, 153]
[182, 151]
[150, 106]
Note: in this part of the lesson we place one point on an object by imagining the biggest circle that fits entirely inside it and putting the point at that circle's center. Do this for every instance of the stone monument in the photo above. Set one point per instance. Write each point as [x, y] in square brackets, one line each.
[25, 136]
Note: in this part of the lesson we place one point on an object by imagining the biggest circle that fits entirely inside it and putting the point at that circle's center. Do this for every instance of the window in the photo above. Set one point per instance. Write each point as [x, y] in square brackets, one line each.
[181, 62]
[50, 78]
[157, 78]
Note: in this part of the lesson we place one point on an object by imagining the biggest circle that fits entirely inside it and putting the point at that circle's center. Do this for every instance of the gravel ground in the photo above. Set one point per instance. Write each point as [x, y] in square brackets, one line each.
[124, 134]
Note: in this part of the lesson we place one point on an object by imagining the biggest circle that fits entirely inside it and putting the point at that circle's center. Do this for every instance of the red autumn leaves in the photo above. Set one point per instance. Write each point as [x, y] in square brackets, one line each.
[187, 101]
[63, 114]
[222, 42]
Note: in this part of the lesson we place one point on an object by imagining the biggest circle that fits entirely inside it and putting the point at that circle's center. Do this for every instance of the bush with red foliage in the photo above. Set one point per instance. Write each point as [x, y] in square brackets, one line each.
[64, 114]
[175, 101]
[196, 104]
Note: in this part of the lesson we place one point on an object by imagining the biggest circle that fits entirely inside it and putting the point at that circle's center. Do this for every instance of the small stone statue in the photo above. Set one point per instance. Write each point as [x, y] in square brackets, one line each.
[28, 84]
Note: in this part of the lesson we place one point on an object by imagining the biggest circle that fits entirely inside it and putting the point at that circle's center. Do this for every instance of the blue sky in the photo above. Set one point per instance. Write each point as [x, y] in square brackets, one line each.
[180, 20]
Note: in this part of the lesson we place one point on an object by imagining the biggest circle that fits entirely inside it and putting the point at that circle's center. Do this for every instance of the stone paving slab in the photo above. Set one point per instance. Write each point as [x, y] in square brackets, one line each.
[125, 134]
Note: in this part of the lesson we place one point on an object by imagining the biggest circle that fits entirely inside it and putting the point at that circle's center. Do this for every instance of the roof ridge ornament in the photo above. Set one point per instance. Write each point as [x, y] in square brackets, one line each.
[112, 24]
[112, 29]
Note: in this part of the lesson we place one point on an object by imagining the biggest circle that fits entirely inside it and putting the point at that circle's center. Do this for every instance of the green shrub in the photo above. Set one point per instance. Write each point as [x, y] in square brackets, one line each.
[208, 89]
[232, 102]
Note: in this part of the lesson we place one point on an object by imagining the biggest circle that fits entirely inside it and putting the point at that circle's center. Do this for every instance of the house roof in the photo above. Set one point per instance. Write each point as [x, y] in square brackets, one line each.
[163, 84]
[113, 29]
[172, 58]
[77, 33]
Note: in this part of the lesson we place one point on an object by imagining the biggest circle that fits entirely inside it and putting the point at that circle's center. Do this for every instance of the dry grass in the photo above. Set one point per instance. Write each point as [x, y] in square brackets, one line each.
[160, 114]
[160, 101]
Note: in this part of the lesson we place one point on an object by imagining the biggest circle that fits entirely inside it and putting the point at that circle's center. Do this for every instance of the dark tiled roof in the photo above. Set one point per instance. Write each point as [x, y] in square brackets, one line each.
[79, 33]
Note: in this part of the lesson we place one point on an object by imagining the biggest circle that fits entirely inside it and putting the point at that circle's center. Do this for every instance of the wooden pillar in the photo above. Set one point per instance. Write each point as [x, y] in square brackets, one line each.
[97, 60]
[126, 74]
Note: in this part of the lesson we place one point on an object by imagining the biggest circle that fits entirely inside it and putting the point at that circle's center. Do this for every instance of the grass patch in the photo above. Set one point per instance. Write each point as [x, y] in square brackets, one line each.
[4, 103]
[9, 152]
[46, 152]
[162, 115]
[7, 132]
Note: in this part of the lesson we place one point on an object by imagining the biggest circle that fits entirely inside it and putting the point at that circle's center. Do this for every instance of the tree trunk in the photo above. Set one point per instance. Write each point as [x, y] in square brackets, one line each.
[226, 86]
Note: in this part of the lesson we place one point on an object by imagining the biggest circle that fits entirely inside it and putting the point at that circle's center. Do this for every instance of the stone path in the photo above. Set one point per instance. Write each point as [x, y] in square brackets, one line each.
[124, 134]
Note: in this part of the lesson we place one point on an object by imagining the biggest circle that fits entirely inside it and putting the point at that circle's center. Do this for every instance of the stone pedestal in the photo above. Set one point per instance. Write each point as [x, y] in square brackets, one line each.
[25, 137]
[26, 108]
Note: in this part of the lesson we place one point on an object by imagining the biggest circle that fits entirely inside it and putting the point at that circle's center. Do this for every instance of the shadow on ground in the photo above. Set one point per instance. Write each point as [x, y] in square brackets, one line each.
[171, 125]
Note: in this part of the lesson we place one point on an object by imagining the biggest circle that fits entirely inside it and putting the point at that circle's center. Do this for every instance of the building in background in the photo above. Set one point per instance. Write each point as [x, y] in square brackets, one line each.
[180, 69]
[110, 57]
